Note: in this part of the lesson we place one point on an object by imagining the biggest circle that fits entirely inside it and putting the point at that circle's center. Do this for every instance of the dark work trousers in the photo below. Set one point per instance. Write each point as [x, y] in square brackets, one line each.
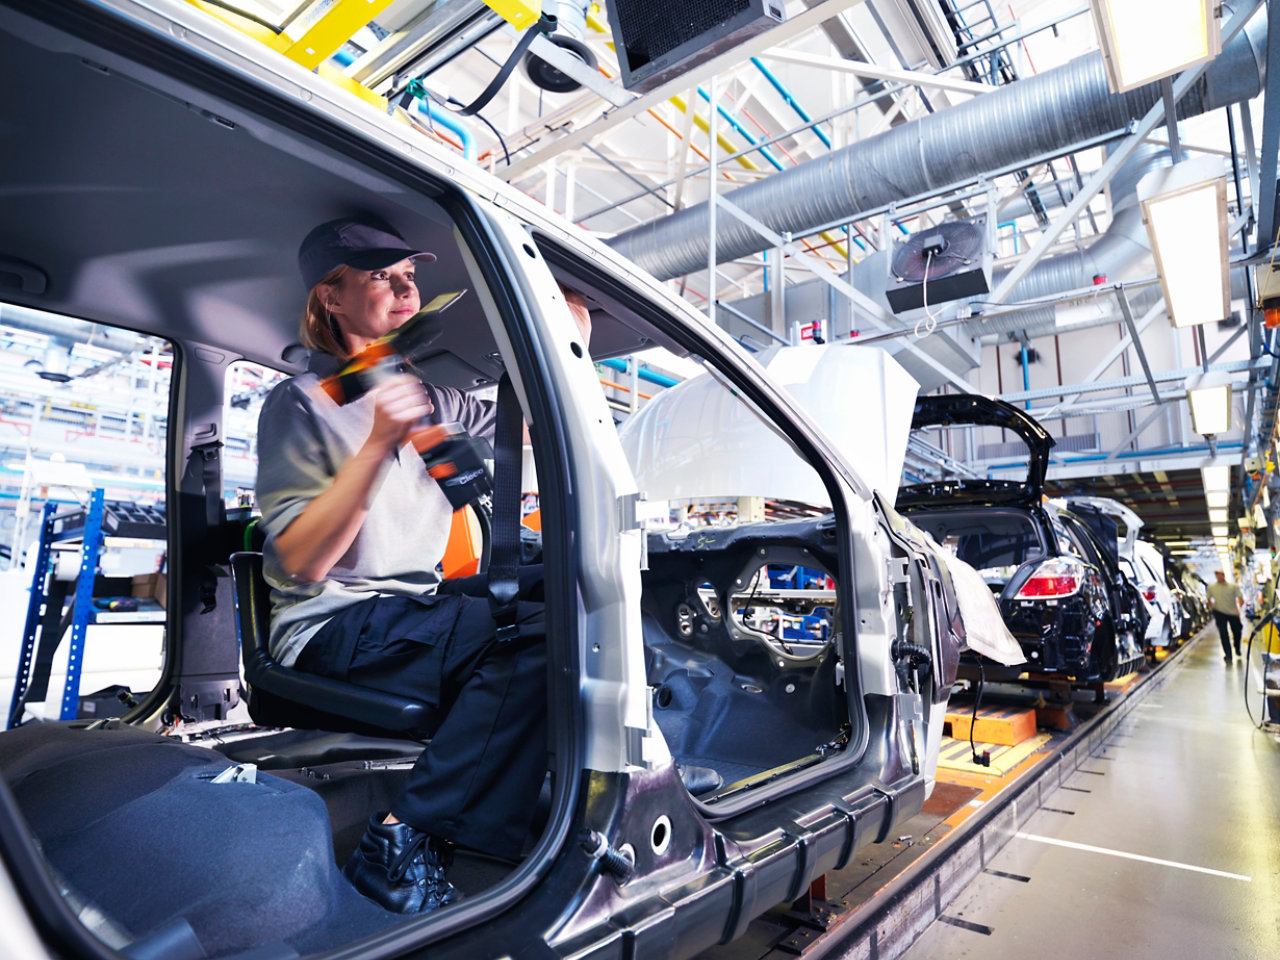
[477, 783]
[1223, 621]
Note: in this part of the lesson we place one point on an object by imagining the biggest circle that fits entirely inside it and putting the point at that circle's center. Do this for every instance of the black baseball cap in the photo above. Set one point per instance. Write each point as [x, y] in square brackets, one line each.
[366, 243]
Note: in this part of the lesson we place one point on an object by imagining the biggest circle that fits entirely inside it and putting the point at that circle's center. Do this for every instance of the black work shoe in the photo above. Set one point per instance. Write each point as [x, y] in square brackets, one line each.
[401, 869]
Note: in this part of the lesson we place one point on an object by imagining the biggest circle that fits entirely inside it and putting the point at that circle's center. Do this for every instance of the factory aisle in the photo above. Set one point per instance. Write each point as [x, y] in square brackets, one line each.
[1165, 846]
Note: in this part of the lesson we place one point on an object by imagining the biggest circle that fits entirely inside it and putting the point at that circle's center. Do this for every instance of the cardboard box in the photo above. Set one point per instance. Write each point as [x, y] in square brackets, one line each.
[151, 585]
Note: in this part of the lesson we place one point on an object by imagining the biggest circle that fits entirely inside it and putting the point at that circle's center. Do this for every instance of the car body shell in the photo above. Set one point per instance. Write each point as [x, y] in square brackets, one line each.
[1087, 636]
[256, 133]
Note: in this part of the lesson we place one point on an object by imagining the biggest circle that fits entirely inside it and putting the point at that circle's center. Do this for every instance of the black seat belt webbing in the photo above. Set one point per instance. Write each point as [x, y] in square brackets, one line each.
[504, 563]
[210, 455]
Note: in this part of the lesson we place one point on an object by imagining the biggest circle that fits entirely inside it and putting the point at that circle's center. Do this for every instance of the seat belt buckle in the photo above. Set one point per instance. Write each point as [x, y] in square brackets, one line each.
[508, 631]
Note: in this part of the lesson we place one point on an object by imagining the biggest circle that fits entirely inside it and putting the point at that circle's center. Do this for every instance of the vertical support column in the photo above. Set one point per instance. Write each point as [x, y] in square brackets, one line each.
[550, 197]
[711, 201]
[38, 596]
[778, 291]
[90, 548]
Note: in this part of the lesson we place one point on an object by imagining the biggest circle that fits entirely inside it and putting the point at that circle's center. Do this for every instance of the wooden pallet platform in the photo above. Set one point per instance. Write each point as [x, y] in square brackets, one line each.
[1007, 726]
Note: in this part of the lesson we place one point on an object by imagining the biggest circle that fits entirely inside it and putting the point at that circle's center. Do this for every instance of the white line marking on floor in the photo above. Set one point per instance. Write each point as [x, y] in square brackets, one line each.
[1131, 856]
[1151, 706]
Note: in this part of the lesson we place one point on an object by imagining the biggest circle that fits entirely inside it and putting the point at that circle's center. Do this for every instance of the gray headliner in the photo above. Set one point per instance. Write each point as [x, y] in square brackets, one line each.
[159, 208]
[145, 212]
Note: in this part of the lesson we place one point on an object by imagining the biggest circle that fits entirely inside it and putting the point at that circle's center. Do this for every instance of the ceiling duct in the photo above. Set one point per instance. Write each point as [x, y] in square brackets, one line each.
[1119, 253]
[656, 43]
[1043, 115]
[947, 262]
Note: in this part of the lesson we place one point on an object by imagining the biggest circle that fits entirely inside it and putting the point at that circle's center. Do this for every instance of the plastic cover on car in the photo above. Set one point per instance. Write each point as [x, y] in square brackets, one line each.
[985, 632]
[698, 438]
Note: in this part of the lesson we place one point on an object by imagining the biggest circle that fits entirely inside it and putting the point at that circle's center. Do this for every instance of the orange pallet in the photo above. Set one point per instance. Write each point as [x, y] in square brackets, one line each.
[1008, 726]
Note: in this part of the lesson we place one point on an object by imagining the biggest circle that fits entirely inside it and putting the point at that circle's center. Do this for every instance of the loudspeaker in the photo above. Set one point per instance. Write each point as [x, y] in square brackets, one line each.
[656, 42]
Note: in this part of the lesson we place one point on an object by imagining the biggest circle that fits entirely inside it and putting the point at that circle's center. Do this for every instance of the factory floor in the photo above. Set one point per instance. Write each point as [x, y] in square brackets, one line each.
[1165, 845]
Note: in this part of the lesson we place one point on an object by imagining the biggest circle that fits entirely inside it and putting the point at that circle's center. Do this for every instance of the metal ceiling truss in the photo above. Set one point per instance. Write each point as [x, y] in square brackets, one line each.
[792, 27]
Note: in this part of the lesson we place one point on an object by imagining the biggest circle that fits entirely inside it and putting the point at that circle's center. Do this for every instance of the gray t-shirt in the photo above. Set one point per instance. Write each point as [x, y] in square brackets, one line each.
[1224, 597]
[303, 438]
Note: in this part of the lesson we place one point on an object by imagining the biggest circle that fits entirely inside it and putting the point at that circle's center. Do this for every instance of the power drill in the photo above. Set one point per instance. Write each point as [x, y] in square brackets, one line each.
[454, 459]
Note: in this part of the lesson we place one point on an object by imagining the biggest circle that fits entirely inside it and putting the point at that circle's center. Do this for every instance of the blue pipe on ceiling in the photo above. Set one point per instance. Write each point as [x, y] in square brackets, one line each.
[644, 373]
[447, 119]
[1130, 455]
[791, 101]
[742, 131]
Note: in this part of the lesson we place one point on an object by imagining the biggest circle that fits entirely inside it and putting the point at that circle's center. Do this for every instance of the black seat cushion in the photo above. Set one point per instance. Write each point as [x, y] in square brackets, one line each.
[282, 697]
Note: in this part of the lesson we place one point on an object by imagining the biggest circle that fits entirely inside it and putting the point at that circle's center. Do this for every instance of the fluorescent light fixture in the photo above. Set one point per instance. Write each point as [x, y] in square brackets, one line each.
[1142, 42]
[1218, 515]
[1185, 210]
[1216, 476]
[1217, 498]
[1218, 530]
[1209, 397]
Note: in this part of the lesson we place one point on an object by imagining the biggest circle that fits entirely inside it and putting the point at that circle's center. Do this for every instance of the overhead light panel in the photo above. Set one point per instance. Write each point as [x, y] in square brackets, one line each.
[1215, 476]
[1185, 210]
[1218, 515]
[1218, 530]
[1217, 498]
[1142, 42]
[1209, 397]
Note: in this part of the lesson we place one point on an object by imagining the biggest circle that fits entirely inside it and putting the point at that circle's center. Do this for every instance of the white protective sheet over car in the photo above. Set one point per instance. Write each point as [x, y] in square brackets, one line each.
[860, 397]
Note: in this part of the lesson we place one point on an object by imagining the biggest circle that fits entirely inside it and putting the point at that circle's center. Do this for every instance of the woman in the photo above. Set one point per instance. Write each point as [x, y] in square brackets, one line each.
[355, 528]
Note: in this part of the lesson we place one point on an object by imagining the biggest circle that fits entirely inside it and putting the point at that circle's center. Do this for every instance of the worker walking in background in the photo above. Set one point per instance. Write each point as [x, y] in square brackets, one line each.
[1225, 600]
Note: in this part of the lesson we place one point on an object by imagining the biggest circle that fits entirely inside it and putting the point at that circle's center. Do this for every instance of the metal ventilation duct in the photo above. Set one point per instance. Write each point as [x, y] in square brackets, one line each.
[1119, 253]
[1041, 115]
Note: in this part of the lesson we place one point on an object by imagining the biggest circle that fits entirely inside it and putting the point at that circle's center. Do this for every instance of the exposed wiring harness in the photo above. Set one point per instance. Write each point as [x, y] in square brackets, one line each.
[913, 665]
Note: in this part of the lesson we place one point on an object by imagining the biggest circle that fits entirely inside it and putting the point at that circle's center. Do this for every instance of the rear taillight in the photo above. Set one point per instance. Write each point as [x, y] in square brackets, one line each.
[1053, 579]
[1149, 594]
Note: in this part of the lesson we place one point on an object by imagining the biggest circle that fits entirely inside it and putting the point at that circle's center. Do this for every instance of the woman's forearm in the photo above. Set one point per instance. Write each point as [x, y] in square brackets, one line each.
[319, 536]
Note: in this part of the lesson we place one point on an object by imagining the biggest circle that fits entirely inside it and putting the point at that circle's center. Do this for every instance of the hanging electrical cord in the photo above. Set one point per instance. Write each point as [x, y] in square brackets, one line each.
[985, 759]
[1268, 620]
[929, 320]
[506, 155]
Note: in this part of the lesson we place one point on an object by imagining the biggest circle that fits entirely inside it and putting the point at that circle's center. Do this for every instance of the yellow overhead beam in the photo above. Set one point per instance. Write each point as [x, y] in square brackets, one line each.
[725, 144]
[331, 31]
[250, 28]
[518, 13]
[597, 21]
[282, 44]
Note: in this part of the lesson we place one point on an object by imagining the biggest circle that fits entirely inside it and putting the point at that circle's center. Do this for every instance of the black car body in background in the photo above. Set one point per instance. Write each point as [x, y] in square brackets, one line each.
[1060, 592]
